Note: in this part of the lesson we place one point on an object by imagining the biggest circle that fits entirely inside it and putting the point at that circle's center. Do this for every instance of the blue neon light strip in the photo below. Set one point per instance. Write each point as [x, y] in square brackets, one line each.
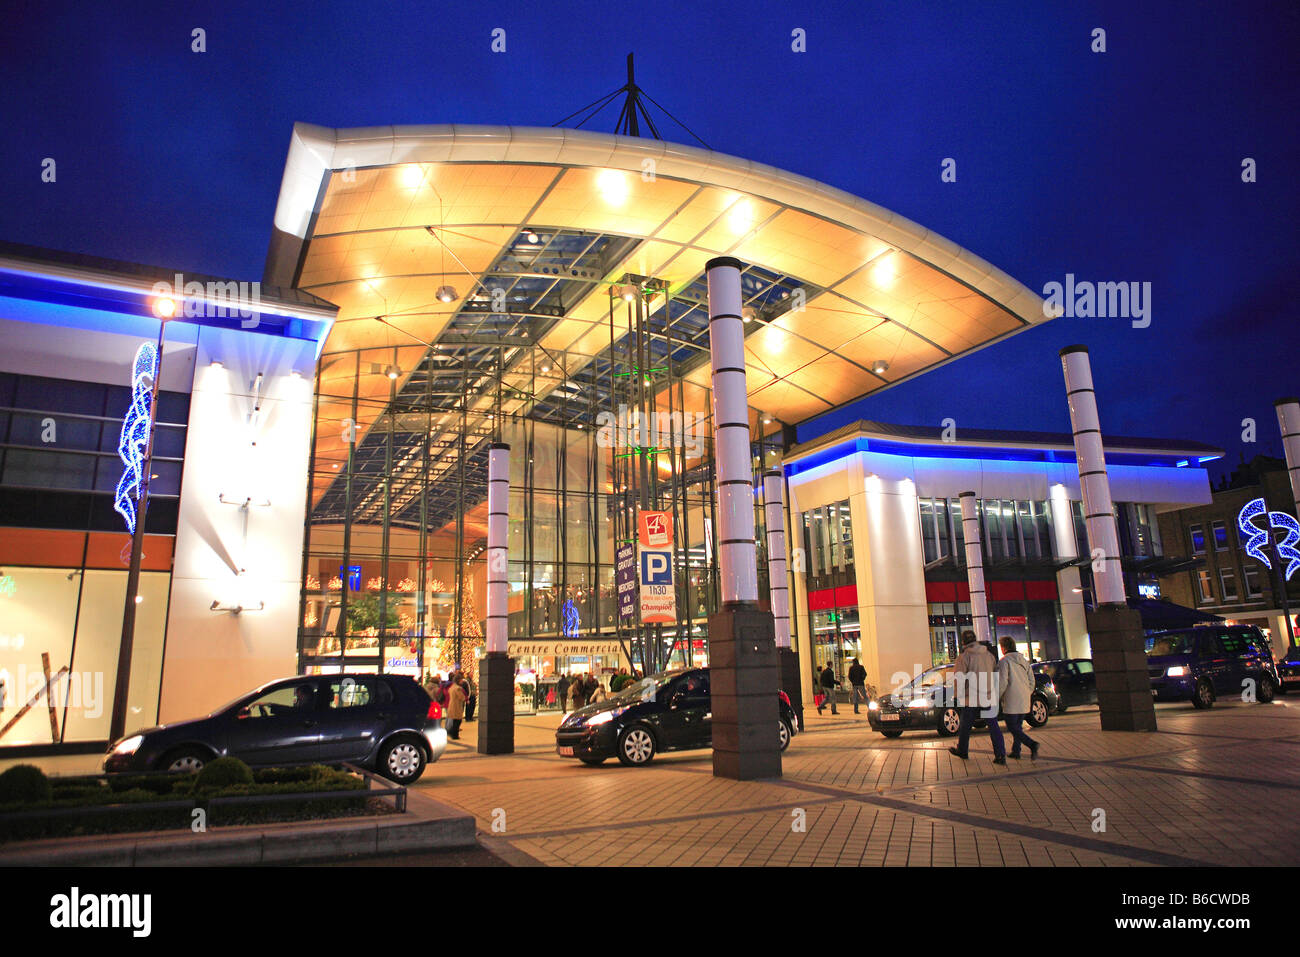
[845, 449]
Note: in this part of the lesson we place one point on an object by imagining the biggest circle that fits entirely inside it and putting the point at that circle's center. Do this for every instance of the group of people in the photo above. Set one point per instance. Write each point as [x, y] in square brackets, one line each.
[457, 697]
[578, 691]
[984, 684]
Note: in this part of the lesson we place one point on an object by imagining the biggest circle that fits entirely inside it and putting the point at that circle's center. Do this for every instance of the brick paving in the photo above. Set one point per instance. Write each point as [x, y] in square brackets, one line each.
[1214, 787]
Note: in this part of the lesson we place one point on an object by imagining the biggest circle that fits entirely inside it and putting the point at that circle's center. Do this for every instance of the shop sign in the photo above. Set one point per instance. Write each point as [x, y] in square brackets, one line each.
[625, 579]
[1015, 620]
[566, 648]
[655, 529]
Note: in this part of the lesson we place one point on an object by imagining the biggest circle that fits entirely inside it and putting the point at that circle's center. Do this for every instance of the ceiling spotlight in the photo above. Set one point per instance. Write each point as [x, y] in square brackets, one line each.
[392, 371]
[164, 307]
[530, 236]
[447, 294]
[216, 364]
[879, 366]
[748, 314]
[767, 420]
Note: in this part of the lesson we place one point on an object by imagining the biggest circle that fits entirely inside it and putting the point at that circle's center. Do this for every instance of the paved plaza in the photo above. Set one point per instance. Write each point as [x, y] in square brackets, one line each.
[1211, 788]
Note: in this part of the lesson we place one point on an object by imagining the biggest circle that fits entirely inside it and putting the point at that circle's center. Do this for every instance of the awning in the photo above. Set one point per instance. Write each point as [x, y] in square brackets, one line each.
[1160, 615]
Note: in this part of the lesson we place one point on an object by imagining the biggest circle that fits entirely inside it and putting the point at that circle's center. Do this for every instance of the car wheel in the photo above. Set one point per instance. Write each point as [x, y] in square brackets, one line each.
[1265, 690]
[949, 722]
[786, 734]
[1203, 696]
[636, 746]
[1037, 716]
[402, 761]
[184, 761]
[892, 734]
[593, 762]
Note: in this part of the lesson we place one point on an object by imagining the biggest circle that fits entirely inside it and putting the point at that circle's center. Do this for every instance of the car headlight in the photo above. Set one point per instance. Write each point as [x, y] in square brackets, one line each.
[919, 703]
[605, 717]
[129, 745]
[873, 705]
[1176, 671]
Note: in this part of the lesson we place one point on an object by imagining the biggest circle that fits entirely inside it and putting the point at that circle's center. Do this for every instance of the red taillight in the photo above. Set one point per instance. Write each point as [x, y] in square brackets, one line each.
[435, 711]
[786, 698]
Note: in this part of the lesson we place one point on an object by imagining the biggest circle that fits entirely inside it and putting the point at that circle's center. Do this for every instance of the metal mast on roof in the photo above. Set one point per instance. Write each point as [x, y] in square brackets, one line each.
[632, 113]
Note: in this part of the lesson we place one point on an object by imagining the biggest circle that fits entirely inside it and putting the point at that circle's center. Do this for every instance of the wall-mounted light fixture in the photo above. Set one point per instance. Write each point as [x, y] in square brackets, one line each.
[236, 609]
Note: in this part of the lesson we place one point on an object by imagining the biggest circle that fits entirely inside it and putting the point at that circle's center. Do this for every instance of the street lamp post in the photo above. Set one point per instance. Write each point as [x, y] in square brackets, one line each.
[165, 309]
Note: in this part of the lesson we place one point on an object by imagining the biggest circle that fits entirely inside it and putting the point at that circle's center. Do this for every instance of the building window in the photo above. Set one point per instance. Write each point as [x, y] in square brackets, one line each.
[1220, 536]
[1251, 574]
[1228, 582]
[1203, 580]
[1197, 532]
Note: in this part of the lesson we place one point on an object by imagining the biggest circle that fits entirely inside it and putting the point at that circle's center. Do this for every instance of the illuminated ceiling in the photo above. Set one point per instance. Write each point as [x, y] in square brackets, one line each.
[377, 220]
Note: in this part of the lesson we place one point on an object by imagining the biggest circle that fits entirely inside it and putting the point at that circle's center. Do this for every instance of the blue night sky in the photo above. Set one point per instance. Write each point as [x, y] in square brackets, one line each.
[1117, 166]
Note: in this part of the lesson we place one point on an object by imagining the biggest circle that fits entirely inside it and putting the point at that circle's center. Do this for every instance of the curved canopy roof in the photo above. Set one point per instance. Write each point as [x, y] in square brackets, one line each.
[377, 219]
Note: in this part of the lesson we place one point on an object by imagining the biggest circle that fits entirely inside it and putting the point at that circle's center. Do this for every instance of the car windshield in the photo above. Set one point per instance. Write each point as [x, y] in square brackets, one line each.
[647, 688]
[1172, 643]
[925, 681]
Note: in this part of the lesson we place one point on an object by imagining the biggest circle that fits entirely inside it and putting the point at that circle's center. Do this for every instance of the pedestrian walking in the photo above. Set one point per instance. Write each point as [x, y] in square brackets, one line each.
[562, 690]
[858, 682]
[1016, 680]
[975, 674]
[471, 697]
[595, 691]
[455, 709]
[579, 689]
[829, 682]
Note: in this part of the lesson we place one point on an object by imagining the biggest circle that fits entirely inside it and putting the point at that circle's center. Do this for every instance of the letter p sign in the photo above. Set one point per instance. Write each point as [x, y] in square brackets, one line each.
[656, 568]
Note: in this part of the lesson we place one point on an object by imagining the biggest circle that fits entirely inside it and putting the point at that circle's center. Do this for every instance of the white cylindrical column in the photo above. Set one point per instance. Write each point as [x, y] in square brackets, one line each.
[1063, 539]
[1094, 486]
[1288, 420]
[737, 558]
[497, 638]
[774, 515]
[970, 529]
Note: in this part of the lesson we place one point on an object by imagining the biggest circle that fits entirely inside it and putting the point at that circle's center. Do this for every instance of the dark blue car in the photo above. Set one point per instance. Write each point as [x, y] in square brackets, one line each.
[1200, 664]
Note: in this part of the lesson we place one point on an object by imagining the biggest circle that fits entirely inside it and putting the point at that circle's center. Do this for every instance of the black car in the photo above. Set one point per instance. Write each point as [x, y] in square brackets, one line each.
[668, 711]
[1074, 679]
[1199, 664]
[928, 703]
[1288, 671]
[381, 722]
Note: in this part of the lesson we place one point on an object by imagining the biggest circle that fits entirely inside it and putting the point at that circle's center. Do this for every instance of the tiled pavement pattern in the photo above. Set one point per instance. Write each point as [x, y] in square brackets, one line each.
[1216, 787]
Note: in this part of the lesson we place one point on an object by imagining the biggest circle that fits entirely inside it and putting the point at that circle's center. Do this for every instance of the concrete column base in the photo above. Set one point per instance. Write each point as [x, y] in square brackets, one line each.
[496, 704]
[788, 662]
[744, 676]
[1120, 662]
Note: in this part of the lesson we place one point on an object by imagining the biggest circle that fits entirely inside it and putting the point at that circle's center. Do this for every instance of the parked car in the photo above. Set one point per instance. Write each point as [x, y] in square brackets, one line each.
[386, 723]
[1199, 664]
[928, 703]
[1074, 679]
[1288, 671]
[668, 711]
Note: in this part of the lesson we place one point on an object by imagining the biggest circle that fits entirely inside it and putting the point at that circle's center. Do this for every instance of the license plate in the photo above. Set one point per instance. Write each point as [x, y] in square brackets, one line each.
[565, 751]
[889, 717]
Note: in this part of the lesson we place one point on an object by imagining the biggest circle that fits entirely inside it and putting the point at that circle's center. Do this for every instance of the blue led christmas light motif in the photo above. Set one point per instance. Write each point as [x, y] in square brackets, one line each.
[1254, 538]
[135, 434]
[569, 619]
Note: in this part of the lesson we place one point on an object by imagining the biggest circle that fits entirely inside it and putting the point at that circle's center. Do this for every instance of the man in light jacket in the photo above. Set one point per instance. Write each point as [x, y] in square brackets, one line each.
[1016, 679]
[975, 673]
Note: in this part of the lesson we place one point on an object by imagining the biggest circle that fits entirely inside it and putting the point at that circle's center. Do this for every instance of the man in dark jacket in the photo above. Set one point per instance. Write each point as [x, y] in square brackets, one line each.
[562, 691]
[828, 682]
[858, 682]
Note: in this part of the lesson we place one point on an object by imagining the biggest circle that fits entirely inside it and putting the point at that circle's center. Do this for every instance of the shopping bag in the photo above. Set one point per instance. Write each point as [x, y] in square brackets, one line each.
[818, 699]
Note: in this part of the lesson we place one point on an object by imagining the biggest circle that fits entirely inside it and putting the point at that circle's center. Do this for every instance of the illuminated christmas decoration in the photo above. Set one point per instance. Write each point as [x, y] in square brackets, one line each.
[406, 584]
[569, 623]
[374, 584]
[1253, 538]
[336, 583]
[135, 434]
[313, 583]
[437, 585]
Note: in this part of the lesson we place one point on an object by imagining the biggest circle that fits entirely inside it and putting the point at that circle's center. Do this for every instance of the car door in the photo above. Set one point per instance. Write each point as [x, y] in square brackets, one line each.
[279, 726]
[1086, 682]
[682, 722]
[356, 709]
[1217, 664]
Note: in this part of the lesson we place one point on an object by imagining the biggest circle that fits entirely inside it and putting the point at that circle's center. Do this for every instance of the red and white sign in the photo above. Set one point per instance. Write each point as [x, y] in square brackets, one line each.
[1012, 620]
[655, 529]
